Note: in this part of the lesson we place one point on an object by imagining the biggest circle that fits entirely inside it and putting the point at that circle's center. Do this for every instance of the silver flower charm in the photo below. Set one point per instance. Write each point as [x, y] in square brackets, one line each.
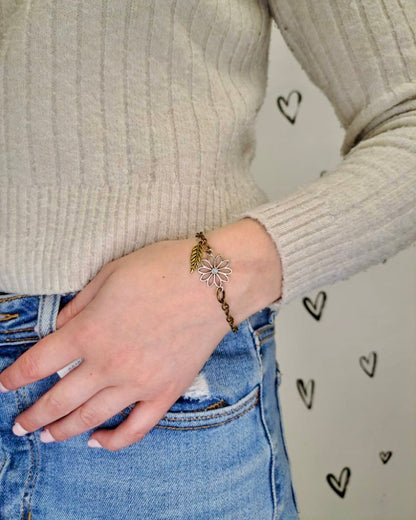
[214, 271]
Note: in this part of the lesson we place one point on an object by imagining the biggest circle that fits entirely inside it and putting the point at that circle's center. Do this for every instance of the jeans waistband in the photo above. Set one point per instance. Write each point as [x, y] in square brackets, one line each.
[263, 317]
[21, 313]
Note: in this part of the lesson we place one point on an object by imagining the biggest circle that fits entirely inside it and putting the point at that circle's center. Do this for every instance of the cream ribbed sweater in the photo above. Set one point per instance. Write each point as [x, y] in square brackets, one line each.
[125, 122]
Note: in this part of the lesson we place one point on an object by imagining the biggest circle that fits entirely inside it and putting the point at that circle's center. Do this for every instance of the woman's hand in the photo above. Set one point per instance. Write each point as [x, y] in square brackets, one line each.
[144, 327]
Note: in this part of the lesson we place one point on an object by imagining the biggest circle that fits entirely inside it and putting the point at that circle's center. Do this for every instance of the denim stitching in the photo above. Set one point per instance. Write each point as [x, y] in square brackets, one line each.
[209, 425]
[11, 298]
[253, 335]
[8, 331]
[33, 444]
[52, 314]
[265, 338]
[272, 456]
[265, 427]
[263, 328]
[55, 311]
[14, 340]
[18, 402]
[4, 462]
[294, 498]
[201, 417]
[213, 406]
[7, 316]
[220, 403]
[40, 312]
[22, 509]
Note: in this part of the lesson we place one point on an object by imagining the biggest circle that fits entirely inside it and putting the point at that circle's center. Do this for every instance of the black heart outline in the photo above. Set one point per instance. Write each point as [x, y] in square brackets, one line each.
[339, 485]
[312, 307]
[366, 360]
[306, 396]
[286, 101]
[385, 456]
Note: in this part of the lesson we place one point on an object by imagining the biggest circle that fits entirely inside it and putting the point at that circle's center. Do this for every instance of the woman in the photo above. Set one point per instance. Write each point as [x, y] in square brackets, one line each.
[128, 129]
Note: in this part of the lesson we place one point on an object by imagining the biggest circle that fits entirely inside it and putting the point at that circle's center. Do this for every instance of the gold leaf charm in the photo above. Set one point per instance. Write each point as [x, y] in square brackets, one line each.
[196, 255]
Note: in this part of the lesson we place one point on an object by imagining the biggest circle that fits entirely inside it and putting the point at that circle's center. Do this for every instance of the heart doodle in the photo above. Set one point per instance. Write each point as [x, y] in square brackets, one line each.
[385, 456]
[294, 108]
[315, 308]
[368, 364]
[306, 393]
[339, 485]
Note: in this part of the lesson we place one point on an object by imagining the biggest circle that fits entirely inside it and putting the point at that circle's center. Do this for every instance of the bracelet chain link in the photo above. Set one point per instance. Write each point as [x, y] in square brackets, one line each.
[215, 272]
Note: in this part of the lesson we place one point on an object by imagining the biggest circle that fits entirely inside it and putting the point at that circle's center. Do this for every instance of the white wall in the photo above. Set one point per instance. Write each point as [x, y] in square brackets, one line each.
[354, 416]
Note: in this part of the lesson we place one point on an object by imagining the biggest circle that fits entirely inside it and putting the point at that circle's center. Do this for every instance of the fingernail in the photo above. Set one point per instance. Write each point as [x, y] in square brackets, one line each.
[45, 436]
[3, 388]
[18, 430]
[93, 443]
[35, 328]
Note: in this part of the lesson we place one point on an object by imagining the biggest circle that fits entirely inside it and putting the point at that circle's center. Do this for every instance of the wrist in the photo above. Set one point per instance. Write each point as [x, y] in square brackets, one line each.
[256, 280]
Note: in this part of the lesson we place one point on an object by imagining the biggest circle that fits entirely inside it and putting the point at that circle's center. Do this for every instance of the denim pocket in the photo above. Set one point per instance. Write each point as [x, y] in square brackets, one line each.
[197, 418]
[209, 417]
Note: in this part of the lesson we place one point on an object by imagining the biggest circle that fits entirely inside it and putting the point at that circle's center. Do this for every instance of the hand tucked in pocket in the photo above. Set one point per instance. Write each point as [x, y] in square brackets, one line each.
[144, 327]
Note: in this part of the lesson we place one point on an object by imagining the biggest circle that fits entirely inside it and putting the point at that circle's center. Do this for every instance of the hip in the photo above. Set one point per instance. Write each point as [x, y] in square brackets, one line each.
[218, 453]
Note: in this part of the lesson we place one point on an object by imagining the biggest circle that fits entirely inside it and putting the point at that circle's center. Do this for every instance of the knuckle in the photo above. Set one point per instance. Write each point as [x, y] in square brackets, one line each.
[89, 417]
[54, 404]
[29, 366]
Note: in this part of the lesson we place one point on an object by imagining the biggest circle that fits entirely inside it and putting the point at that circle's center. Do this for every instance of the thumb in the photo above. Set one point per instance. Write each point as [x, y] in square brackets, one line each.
[83, 298]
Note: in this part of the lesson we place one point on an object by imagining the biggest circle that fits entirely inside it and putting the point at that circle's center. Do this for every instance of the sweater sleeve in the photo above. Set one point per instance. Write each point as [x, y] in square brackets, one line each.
[362, 55]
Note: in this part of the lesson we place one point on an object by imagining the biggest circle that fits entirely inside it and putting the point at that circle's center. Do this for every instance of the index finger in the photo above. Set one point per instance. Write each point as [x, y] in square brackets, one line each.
[47, 356]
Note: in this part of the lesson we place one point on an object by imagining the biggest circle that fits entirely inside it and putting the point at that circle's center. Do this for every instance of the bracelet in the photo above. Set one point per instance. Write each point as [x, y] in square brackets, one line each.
[214, 271]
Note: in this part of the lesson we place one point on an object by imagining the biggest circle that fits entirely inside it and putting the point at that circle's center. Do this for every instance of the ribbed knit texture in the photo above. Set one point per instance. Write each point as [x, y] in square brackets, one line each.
[128, 122]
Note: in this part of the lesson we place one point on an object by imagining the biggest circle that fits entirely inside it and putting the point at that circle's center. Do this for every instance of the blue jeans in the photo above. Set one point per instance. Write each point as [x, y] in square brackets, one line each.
[218, 456]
